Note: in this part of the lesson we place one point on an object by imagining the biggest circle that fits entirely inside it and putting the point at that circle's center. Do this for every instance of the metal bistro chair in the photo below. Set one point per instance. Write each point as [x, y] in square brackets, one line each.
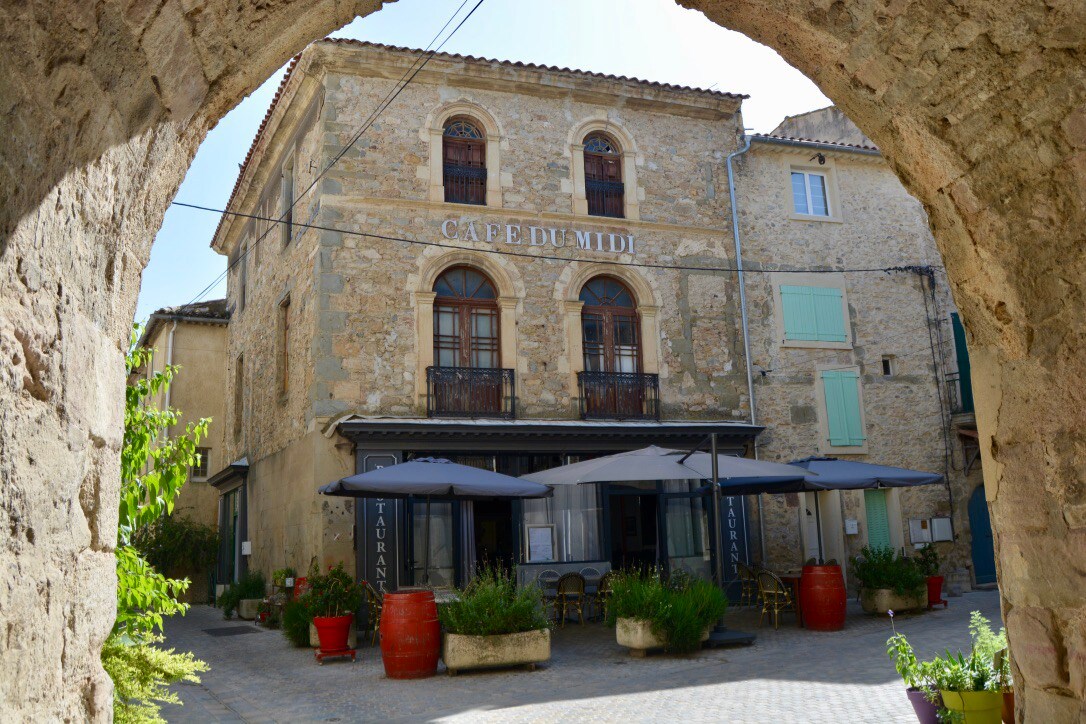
[546, 580]
[776, 597]
[748, 585]
[570, 596]
[603, 593]
[375, 602]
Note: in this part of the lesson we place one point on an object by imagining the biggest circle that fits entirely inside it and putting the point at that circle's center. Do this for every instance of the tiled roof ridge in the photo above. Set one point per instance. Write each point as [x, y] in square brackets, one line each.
[815, 140]
[208, 309]
[535, 66]
[449, 56]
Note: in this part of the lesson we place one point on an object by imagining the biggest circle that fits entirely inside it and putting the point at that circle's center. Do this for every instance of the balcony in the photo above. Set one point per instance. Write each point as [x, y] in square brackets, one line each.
[470, 392]
[959, 394]
[619, 396]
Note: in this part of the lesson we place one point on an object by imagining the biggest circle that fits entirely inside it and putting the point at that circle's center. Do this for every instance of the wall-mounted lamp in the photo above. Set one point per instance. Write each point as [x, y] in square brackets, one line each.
[821, 158]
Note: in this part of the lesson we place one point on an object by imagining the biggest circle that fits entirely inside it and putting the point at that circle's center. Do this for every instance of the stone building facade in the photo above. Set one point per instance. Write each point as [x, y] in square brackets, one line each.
[193, 337]
[542, 182]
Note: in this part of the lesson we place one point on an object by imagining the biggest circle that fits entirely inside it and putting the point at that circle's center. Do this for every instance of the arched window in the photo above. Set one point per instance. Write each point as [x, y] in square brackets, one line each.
[609, 327]
[465, 320]
[464, 161]
[603, 176]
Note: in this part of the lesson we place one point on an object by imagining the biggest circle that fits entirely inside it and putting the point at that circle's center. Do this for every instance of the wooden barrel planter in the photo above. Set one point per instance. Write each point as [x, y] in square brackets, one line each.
[410, 635]
[822, 598]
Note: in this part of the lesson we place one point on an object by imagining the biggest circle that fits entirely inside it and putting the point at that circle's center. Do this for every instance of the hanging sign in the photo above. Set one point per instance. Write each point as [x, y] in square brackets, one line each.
[379, 518]
[540, 238]
[733, 529]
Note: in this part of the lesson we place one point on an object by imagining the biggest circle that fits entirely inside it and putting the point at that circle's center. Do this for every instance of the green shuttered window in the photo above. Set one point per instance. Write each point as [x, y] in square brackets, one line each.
[843, 418]
[878, 522]
[813, 314]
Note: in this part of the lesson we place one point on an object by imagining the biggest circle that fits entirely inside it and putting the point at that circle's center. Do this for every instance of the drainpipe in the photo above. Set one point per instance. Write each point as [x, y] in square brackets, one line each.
[743, 315]
[169, 360]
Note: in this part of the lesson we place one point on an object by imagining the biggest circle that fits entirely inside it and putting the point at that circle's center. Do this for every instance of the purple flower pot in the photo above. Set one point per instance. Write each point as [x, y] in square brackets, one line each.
[926, 711]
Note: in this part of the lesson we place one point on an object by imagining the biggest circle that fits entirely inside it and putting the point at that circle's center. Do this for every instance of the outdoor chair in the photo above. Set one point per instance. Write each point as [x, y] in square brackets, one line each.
[375, 603]
[776, 597]
[603, 593]
[569, 596]
[748, 585]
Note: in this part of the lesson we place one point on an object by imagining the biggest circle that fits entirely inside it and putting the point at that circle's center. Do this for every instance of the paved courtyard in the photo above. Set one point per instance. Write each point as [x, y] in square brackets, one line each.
[790, 675]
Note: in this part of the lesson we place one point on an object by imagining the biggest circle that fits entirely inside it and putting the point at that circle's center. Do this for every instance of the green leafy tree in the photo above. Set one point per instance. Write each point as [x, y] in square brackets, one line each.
[154, 467]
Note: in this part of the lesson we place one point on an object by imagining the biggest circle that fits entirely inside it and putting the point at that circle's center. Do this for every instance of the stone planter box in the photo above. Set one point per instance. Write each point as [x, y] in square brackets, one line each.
[636, 635]
[881, 600]
[247, 608]
[315, 642]
[526, 648]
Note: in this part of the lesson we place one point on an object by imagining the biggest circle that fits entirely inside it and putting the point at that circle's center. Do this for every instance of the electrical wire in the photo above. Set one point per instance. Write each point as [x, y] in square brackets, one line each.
[401, 84]
[546, 257]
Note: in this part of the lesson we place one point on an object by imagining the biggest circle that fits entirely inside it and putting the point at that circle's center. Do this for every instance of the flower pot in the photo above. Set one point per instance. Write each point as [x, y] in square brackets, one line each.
[332, 631]
[822, 598]
[935, 591]
[247, 608]
[881, 600]
[636, 635]
[927, 712]
[1008, 707]
[977, 707]
[524, 648]
[315, 640]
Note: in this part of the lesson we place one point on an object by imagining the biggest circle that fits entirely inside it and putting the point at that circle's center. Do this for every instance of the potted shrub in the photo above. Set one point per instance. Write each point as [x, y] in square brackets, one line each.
[928, 563]
[888, 581]
[492, 623]
[244, 596]
[650, 613]
[283, 578]
[331, 601]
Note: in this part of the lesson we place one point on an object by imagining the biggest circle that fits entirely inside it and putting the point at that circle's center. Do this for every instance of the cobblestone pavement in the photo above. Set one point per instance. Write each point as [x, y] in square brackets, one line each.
[790, 675]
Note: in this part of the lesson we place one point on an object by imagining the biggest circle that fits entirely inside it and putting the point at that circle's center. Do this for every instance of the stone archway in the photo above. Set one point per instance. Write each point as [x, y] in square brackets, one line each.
[980, 107]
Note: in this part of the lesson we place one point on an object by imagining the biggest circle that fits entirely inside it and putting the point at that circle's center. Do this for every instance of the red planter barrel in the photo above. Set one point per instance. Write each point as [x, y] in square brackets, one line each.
[935, 591]
[410, 635]
[822, 598]
[333, 632]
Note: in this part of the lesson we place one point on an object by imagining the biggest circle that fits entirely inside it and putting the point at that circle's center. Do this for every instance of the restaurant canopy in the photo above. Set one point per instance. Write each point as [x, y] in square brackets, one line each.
[434, 478]
[832, 474]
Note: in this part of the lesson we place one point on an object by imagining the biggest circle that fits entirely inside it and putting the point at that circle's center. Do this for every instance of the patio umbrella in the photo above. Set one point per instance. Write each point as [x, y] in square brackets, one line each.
[434, 478]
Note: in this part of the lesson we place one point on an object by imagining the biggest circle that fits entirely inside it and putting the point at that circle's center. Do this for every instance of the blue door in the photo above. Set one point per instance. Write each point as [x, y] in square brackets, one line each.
[984, 568]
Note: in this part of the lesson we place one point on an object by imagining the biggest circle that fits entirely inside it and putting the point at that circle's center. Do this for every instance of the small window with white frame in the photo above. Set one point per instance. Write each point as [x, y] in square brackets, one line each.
[810, 193]
[199, 470]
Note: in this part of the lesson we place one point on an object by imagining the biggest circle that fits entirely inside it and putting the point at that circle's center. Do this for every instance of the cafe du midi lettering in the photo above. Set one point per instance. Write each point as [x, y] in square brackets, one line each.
[537, 236]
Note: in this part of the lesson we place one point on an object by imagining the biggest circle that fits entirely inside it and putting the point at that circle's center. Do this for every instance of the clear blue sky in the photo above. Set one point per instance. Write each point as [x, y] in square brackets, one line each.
[669, 44]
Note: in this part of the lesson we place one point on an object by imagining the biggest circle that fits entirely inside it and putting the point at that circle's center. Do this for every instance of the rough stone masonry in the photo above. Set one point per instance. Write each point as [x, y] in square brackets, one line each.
[980, 107]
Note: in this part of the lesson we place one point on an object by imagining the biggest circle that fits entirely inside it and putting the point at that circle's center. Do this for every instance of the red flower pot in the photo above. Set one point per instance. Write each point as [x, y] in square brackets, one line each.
[935, 591]
[333, 631]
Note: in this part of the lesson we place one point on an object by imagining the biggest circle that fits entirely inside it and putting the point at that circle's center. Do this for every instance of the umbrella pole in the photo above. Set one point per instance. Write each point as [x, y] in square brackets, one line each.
[818, 528]
[719, 567]
[426, 546]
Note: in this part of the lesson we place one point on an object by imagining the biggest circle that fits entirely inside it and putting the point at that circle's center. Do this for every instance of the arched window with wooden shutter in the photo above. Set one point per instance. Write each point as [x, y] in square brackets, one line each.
[464, 162]
[604, 189]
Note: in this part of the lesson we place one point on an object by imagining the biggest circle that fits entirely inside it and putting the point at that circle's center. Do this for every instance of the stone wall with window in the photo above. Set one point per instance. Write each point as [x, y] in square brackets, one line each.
[820, 340]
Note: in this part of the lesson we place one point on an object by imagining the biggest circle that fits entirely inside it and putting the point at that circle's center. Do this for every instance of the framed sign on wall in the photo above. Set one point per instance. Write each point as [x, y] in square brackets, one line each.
[541, 540]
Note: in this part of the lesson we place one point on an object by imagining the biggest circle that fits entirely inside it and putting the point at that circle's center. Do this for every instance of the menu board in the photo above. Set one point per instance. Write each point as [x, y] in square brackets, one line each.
[540, 543]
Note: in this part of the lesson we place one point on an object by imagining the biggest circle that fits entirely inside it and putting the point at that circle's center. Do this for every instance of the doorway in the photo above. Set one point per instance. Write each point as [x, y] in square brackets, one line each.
[984, 568]
[494, 544]
[634, 531]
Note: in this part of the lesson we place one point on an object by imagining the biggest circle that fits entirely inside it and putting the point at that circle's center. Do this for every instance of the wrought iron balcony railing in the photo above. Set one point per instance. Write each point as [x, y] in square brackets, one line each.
[619, 396]
[470, 392]
[465, 184]
[605, 198]
[959, 395]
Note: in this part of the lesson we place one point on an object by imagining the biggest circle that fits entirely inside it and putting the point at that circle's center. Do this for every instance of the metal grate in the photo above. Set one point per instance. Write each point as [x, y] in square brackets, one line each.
[470, 392]
[619, 395]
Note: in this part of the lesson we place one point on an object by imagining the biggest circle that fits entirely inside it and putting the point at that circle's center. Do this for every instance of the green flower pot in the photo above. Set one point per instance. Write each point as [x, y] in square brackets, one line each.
[978, 707]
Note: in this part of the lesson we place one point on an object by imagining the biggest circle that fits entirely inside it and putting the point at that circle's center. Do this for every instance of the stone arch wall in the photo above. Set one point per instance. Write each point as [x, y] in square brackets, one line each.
[980, 109]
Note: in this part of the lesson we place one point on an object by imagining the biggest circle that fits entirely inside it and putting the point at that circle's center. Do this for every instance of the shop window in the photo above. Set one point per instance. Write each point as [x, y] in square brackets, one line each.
[813, 314]
[576, 511]
[464, 162]
[810, 194]
[465, 320]
[604, 188]
[844, 413]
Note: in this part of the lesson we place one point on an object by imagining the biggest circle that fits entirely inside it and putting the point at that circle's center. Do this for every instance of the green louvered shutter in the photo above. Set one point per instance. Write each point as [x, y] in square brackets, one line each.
[843, 419]
[799, 313]
[878, 522]
[813, 314]
[829, 319]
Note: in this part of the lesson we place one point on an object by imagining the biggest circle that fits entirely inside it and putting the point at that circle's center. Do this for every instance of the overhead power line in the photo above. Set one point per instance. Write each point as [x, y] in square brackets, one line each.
[405, 80]
[548, 257]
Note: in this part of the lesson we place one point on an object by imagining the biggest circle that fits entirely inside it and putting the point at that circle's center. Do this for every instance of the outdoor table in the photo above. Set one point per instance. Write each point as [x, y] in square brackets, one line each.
[792, 580]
